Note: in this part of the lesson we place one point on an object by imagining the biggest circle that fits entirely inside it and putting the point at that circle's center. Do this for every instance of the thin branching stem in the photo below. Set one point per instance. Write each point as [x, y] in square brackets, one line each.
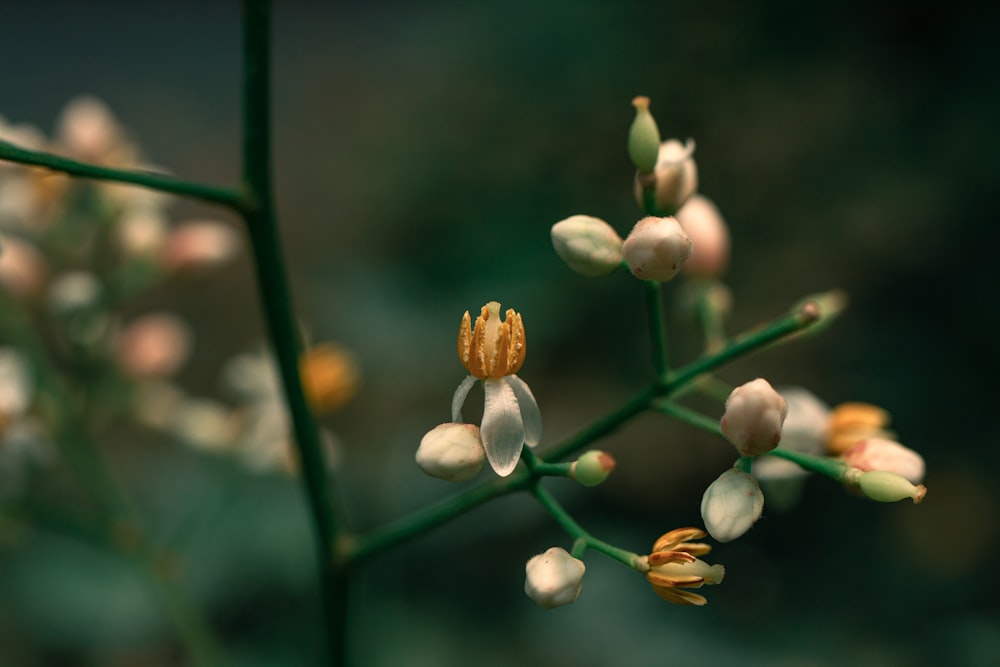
[230, 198]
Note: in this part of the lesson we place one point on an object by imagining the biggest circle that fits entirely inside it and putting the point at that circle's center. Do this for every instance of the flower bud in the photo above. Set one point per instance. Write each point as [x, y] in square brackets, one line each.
[643, 137]
[200, 245]
[554, 578]
[881, 454]
[592, 468]
[452, 451]
[23, 269]
[888, 487]
[588, 245]
[88, 130]
[675, 178]
[731, 505]
[329, 377]
[704, 225]
[141, 234]
[656, 248]
[153, 346]
[753, 418]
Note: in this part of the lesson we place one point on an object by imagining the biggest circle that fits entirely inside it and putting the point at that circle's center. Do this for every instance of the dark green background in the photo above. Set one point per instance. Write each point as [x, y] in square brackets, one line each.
[423, 152]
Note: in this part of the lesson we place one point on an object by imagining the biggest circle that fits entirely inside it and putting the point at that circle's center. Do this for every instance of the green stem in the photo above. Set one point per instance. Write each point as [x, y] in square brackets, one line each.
[829, 467]
[709, 317]
[657, 331]
[578, 533]
[539, 468]
[147, 179]
[744, 463]
[688, 416]
[275, 294]
[797, 321]
[423, 520]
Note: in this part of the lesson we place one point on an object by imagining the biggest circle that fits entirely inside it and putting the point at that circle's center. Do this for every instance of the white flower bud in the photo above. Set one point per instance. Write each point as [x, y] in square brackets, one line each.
[676, 176]
[452, 452]
[588, 245]
[881, 454]
[88, 130]
[704, 225]
[753, 418]
[656, 248]
[554, 578]
[731, 505]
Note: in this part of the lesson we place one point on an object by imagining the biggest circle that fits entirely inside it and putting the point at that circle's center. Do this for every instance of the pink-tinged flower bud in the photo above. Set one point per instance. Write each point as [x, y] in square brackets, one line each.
[882, 454]
[675, 177]
[23, 269]
[592, 468]
[753, 418]
[704, 225]
[656, 248]
[199, 245]
[588, 245]
[731, 505]
[153, 346]
[554, 578]
[452, 451]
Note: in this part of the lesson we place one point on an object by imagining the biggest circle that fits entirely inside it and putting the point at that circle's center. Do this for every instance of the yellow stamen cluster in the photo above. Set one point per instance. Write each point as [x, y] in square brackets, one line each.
[674, 565]
[850, 423]
[494, 348]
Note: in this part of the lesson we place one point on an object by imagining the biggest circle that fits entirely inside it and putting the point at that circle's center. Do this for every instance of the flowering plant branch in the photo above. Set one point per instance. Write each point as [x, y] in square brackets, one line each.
[682, 234]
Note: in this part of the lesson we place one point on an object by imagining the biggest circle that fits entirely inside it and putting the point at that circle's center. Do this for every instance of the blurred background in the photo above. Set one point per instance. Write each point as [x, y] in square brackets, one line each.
[423, 152]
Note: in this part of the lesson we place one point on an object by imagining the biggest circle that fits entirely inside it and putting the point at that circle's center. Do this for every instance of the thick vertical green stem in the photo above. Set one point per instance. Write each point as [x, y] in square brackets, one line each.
[279, 314]
[657, 331]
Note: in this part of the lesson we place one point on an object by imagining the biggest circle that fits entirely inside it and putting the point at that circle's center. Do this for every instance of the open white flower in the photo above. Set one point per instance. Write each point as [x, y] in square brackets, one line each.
[493, 352]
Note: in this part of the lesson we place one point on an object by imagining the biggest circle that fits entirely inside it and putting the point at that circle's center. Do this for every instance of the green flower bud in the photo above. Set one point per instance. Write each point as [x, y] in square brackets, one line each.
[593, 467]
[888, 487]
[643, 137]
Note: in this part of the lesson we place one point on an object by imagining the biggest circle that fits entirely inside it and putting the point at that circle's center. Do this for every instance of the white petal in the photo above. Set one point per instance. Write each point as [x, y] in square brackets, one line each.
[502, 429]
[530, 414]
[458, 400]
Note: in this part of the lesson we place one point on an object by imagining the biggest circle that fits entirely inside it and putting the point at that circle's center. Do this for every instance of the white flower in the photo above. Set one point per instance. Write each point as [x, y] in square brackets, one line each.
[588, 245]
[554, 578]
[656, 248]
[493, 352]
[452, 452]
[731, 505]
[886, 455]
[753, 418]
[804, 430]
